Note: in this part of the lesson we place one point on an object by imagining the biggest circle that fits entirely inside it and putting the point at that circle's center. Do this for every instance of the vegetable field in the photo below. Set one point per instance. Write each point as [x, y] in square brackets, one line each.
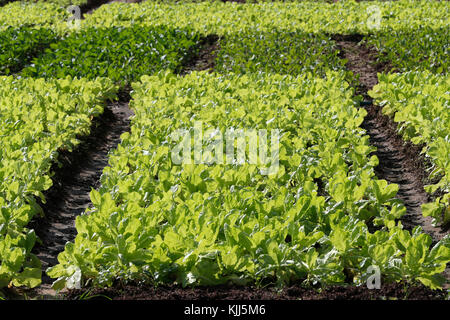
[275, 150]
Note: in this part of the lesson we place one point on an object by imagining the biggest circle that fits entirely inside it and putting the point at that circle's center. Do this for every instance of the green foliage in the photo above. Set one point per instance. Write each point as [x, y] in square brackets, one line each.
[37, 119]
[342, 17]
[37, 15]
[419, 103]
[191, 224]
[20, 45]
[121, 54]
[423, 48]
[276, 51]
[215, 17]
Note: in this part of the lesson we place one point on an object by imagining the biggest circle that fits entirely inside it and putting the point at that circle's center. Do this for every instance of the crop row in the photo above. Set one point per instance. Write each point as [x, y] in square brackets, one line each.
[20, 46]
[160, 221]
[55, 2]
[276, 51]
[423, 48]
[104, 52]
[344, 17]
[38, 118]
[121, 54]
[125, 54]
[419, 103]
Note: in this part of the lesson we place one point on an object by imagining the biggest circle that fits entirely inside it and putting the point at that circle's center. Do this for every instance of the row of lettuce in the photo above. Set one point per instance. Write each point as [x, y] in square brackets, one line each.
[61, 3]
[38, 118]
[211, 220]
[102, 52]
[410, 34]
[420, 103]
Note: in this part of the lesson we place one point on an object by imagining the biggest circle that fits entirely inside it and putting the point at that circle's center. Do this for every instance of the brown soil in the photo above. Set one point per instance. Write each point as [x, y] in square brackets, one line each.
[293, 292]
[361, 60]
[205, 58]
[79, 172]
